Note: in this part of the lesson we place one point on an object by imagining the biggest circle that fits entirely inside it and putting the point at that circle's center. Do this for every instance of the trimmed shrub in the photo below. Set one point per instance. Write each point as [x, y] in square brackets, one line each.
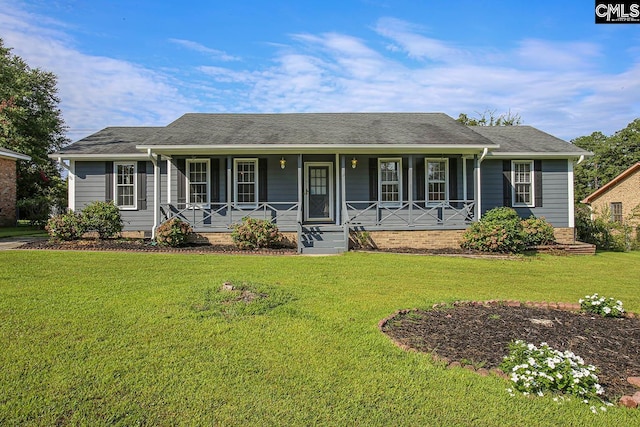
[537, 231]
[502, 230]
[499, 230]
[68, 226]
[174, 233]
[256, 233]
[103, 218]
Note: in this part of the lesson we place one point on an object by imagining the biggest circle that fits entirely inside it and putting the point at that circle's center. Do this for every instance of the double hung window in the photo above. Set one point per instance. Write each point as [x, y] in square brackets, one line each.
[616, 212]
[246, 182]
[522, 178]
[125, 185]
[390, 182]
[437, 173]
[198, 182]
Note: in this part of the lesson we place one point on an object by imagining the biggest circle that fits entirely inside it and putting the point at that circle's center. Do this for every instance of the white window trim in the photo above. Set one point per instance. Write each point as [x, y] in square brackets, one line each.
[426, 178]
[116, 185]
[399, 202]
[532, 203]
[189, 162]
[256, 180]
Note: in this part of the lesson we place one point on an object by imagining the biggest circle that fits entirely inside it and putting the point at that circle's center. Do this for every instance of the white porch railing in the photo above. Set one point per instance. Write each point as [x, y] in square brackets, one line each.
[223, 215]
[452, 213]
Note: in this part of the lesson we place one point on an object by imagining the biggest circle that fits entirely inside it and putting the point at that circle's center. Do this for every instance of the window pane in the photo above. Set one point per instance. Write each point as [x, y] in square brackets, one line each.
[246, 181]
[436, 180]
[522, 183]
[616, 212]
[198, 182]
[390, 181]
[125, 185]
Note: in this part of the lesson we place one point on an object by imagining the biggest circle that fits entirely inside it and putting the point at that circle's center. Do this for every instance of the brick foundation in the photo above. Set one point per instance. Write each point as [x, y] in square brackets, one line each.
[565, 235]
[7, 192]
[225, 238]
[418, 239]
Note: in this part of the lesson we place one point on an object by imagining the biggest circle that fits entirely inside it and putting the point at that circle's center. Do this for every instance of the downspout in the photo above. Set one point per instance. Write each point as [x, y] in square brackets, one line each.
[156, 191]
[71, 182]
[485, 151]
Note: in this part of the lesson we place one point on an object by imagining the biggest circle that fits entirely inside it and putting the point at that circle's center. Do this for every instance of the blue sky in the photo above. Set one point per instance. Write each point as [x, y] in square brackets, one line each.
[145, 63]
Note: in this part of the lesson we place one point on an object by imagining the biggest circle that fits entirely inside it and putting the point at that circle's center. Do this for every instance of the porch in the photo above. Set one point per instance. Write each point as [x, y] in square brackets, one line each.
[320, 200]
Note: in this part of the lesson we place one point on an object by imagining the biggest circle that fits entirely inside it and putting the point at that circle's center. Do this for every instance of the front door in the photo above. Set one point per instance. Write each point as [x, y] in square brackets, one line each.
[318, 191]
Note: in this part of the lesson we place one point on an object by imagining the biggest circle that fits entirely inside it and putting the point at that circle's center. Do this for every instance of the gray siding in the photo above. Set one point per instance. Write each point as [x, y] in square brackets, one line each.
[555, 196]
[91, 186]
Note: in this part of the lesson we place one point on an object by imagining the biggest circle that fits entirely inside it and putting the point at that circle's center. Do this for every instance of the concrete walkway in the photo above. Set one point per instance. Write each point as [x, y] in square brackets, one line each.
[7, 243]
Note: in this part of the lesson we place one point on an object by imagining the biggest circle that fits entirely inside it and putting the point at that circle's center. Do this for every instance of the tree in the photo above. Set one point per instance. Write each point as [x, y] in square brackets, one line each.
[489, 118]
[31, 123]
[611, 156]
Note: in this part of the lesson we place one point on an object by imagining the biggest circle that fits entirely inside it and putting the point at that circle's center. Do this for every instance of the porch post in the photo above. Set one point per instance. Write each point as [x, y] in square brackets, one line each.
[464, 179]
[343, 186]
[477, 186]
[337, 202]
[410, 190]
[71, 180]
[300, 202]
[168, 180]
[229, 189]
[156, 194]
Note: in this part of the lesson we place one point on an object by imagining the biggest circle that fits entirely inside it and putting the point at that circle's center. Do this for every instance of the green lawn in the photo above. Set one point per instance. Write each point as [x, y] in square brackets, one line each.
[22, 231]
[92, 338]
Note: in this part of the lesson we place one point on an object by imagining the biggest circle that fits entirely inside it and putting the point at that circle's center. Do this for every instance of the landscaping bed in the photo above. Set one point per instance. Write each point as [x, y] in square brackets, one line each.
[478, 335]
[145, 245]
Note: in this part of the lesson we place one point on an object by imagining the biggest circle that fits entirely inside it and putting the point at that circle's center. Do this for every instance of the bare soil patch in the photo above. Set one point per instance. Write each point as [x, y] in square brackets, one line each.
[477, 334]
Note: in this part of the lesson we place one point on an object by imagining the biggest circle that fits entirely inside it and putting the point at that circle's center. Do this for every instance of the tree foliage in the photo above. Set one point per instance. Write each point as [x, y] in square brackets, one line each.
[31, 123]
[489, 118]
[612, 155]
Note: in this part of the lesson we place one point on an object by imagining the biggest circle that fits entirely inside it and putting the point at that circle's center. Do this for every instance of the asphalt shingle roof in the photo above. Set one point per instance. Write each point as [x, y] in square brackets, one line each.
[112, 140]
[526, 139]
[320, 129]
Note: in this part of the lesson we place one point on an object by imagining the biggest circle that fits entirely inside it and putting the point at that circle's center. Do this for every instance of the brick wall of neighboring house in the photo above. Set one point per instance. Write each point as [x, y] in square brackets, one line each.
[627, 192]
[7, 192]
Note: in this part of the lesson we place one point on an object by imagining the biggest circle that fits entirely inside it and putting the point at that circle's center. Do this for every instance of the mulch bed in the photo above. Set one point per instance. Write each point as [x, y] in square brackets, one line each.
[479, 334]
[144, 245]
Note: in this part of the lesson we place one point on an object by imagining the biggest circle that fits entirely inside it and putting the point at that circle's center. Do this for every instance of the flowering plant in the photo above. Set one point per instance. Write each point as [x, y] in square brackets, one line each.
[536, 370]
[607, 307]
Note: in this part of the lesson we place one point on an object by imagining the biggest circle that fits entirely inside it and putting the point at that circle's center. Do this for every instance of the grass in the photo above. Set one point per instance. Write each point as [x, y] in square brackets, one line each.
[22, 231]
[93, 338]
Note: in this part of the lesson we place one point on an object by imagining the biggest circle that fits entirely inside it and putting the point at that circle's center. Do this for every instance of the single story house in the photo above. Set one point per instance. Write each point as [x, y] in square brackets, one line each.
[8, 161]
[407, 179]
[618, 199]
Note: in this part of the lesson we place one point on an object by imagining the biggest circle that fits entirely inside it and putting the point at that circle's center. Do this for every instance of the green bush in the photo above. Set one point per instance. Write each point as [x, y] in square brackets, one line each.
[103, 218]
[601, 231]
[68, 226]
[537, 231]
[256, 233]
[174, 233]
[502, 230]
[499, 230]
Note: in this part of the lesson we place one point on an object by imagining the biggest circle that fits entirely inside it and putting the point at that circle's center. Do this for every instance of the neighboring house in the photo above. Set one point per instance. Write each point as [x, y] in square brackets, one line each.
[618, 199]
[408, 179]
[8, 160]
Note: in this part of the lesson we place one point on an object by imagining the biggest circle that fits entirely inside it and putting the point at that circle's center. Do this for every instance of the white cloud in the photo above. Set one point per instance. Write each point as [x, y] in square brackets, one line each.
[95, 91]
[559, 87]
[197, 47]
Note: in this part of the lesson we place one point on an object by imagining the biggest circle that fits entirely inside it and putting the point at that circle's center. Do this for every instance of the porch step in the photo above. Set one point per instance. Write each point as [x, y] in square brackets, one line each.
[322, 239]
